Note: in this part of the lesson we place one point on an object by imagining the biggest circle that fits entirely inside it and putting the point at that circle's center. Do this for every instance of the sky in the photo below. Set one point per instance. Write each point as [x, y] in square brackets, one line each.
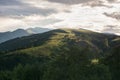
[96, 15]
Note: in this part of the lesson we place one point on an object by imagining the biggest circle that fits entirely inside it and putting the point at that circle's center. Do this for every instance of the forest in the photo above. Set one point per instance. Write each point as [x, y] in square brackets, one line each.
[61, 55]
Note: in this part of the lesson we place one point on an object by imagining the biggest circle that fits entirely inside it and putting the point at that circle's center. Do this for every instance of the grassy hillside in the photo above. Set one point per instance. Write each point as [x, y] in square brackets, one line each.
[80, 37]
[62, 54]
[68, 64]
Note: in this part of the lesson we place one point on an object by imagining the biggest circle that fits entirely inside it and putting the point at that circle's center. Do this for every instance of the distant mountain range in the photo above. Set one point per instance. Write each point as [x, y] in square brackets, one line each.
[21, 32]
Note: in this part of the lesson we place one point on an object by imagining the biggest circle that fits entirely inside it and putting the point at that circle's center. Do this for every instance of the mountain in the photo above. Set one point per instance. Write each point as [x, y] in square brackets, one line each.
[21, 32]
[61, 54]
[82, 38]
[10, 35]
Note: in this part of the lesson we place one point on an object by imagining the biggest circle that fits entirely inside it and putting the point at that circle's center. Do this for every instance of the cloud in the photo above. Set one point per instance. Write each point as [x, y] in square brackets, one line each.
[26, 22]
[112, 1]
[18, 8]
[91, 3]
[26, 11]
[44, 5]
[96, 3]
[10, 2]
[111, 29]
[89, 14]
[115, 15]
[90, 18]
[39, 21]
[70, 2]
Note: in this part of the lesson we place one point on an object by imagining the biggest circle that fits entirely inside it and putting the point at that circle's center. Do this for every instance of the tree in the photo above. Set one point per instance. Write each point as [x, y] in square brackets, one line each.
[5, 75]
[75, 64]
[113, 61]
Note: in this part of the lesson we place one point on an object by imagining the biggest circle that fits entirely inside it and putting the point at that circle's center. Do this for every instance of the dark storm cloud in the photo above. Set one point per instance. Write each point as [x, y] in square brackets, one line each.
[115, 15]
[17, 8]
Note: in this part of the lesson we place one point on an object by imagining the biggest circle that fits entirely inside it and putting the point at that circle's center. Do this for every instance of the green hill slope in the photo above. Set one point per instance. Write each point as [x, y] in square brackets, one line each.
[62, 54]
[80, 37]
